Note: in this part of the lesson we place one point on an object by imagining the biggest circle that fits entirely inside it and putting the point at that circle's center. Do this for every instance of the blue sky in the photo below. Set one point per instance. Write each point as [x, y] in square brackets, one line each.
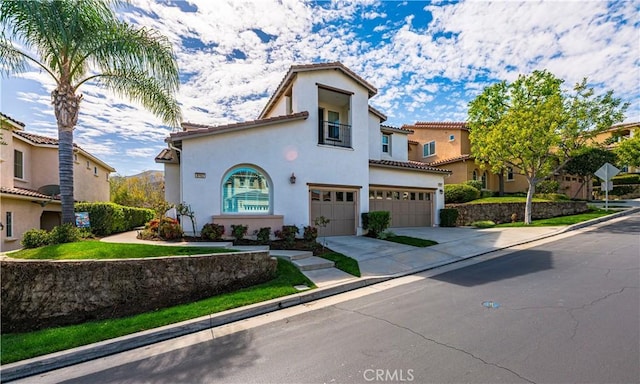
[427, 59]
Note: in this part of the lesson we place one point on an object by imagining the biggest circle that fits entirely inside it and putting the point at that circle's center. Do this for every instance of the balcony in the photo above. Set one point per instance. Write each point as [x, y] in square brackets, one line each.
[334, 134]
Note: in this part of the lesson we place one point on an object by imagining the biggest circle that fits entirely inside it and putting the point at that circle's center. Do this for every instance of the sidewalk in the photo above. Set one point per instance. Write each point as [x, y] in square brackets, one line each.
[379, 261]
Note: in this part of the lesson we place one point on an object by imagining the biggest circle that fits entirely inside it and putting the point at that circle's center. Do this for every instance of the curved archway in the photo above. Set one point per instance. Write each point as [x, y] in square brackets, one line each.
[246, 189]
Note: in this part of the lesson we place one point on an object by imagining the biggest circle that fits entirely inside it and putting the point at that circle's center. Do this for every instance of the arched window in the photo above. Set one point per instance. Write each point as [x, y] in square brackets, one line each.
[246, 190]
[474, 175]
[484, 180]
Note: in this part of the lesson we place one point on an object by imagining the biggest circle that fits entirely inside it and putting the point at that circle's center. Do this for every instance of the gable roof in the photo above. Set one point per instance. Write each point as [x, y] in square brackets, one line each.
[27, 193]
[388, 128]
[451, 160]
[38, 140]
[197, 130]
[438, 125]
[295, 69]
[169, 156]
[12, 121]
[413, 165]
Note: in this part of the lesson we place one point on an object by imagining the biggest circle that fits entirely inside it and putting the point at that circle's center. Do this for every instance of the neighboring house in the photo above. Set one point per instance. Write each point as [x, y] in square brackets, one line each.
[447, 145]
[611, 137]
[317, 149]
[29, 181]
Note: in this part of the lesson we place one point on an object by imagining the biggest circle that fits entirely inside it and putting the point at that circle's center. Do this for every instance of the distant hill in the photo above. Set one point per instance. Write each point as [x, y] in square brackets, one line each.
[154, 176]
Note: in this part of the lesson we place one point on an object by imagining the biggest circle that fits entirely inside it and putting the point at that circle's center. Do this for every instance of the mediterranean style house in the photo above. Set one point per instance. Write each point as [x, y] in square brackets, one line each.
[29, 181]
[316, 150]
[447, 145]
[611, 137]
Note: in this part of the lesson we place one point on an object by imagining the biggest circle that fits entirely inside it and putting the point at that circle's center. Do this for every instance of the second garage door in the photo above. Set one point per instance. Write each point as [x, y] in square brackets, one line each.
[408, 208]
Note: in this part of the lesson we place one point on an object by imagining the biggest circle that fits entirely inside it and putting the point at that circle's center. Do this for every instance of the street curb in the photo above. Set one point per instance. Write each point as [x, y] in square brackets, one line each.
[57, 360]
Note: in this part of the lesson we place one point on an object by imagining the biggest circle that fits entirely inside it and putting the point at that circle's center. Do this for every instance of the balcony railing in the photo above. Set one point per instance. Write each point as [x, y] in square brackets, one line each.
[330, 133]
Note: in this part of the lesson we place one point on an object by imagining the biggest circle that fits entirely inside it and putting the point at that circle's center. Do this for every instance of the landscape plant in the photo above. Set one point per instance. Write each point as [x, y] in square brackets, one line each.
[239, 231]
[263, 235]
[35, 238]
[78, 42]
[212, 231]
[460, 193]
[448, 217]
[628, 150]
[547, 186]
[376, 222]
[533, 125]
[288, 235]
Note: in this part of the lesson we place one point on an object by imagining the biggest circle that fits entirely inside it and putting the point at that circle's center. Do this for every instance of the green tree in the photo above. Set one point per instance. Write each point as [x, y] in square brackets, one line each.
[586, 162]
[145, 190]
[533, 125]
[80, 41]
[628, 150]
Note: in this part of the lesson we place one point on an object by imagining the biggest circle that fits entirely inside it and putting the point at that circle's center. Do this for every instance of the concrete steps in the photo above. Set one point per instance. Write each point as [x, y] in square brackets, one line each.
[304, 260]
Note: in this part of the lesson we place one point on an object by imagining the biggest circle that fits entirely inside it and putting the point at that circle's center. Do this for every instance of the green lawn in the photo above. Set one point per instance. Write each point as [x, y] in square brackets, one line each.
[562, 220]
[92, 249]
[506, 199]
[20, 346]
[343, 263]
[411, 241]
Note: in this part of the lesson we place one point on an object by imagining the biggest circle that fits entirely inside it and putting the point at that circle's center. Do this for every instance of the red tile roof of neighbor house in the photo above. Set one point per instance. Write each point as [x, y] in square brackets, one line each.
[450, 160]
[417, 165]
[294, 69]
[192, 130]
[438, 125]
[26, 192]
[20, 123]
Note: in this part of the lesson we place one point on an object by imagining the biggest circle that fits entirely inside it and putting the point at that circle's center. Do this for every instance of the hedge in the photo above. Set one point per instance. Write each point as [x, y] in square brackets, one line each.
[108, 218]
[376, 222]
[460, 193]
[631, 178]
[448, 217]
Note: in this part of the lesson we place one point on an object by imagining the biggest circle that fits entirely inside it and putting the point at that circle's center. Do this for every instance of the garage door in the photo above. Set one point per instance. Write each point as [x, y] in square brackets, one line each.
[409, 208]
[339, 206]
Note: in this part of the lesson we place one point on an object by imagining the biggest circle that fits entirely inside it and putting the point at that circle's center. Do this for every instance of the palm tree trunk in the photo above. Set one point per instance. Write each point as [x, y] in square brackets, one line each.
[66, 105]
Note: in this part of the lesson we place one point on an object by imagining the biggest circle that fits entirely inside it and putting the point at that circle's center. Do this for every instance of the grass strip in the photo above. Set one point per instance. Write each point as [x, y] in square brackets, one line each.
[413, 241]
[562, 220]
[506, 199]
[92, 249]
[343, 263]
[20, 346]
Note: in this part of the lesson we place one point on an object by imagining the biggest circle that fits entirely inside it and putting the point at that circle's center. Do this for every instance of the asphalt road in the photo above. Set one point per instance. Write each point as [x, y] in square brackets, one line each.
[566, 311]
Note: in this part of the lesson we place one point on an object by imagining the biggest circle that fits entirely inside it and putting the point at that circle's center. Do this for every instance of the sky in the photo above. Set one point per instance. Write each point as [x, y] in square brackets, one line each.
[428, 60]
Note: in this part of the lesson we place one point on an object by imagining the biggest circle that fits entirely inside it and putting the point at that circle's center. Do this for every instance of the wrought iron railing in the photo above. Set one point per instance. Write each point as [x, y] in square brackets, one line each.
[330, 133]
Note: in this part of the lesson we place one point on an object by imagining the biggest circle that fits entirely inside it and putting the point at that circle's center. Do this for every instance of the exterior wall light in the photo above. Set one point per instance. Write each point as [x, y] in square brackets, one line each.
[292, 179]
[441, 191]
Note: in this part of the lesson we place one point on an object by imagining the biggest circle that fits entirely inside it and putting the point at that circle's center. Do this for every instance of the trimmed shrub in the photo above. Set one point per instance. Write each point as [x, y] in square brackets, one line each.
[547, 186]
[552, 196]
[35, 238]
[448, 217]
[263, 235]
[621, 190]
[169, 229]
[477, 184]
[310, 234]
[483, 224]
[486, 193]
[287, 234]
[460, 193]
[239, 231]
[65, 233]
[212, 231]
[376, 222]
[626, 179]
[108, 218]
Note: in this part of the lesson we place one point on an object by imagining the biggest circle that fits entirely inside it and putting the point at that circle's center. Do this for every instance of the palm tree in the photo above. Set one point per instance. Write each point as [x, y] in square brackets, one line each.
[77, 41]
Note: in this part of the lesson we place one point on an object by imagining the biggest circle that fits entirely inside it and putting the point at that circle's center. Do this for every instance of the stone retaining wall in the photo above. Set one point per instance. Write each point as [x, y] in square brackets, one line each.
[40, 294]
[501, 212]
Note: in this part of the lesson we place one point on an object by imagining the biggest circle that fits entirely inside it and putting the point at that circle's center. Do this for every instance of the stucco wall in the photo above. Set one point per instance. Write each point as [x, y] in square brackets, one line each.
[501, 213]
[39, 294]
[26, 215]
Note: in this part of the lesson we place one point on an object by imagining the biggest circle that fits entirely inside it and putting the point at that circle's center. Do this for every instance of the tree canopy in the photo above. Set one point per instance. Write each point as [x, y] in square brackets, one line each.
[628, 150]
[80, 41]
[535, 126]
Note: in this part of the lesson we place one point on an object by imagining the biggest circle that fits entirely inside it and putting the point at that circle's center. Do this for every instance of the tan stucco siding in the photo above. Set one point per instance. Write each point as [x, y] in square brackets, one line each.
[25, 215]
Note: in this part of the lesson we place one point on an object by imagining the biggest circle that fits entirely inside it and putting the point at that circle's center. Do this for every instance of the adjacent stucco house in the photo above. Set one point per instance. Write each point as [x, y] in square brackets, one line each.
[316, 149]
[29, 180]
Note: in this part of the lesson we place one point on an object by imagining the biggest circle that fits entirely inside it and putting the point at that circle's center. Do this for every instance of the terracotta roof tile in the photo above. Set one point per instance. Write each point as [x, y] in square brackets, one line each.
[438, 125]
[192, 130]
[167, 155]
[26, 192]
[37, 139]
[408, 164]
[20, 123]
[450, 160]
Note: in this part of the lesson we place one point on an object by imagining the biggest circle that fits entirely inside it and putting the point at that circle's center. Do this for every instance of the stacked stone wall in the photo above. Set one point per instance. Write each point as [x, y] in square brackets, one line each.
[502, 212]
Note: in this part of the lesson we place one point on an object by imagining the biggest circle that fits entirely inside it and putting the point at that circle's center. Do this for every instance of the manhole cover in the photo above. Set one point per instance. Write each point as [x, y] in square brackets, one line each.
[490, 304]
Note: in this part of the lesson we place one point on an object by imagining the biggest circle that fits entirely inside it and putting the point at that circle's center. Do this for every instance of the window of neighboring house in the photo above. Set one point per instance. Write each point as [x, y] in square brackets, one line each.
[386, 143]
[88, 165]
[429, 149]
[474, 175]
[75, 157]
[95, 171]
[239, 196]
[484, 180]
[452, 137]
[333, 119]
[18, 164]
[9, 224]
[509, 174]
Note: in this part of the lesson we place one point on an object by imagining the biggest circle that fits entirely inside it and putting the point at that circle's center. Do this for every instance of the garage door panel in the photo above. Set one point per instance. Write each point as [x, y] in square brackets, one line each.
[407, 208]
[339, 207]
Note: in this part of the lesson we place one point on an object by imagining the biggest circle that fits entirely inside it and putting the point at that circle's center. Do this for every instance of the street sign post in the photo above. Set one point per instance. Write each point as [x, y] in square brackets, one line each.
[606, 173]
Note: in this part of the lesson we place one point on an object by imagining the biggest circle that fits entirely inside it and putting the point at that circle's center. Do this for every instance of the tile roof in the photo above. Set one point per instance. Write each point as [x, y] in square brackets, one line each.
[26, 192]
[167, 155]
[37, 139]
[12, 120]
[288, 78]
[414, 142]
[408, 164]
[450, 160]
[196, 130]
[438, 125]
[401, 129]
